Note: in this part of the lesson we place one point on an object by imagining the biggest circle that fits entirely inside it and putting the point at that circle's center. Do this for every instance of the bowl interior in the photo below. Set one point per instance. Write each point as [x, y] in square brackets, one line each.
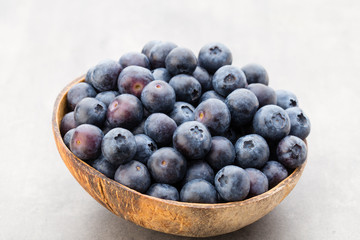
[179, 218]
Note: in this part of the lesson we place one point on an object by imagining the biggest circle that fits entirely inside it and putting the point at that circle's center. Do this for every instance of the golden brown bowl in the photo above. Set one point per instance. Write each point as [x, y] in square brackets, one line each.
[178, 218]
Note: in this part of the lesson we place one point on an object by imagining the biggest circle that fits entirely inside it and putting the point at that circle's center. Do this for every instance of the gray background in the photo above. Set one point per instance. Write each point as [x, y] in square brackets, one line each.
[309, 47]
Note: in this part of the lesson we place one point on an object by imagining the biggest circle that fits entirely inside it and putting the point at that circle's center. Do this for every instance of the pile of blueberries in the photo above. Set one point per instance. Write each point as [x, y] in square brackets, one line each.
[194, 129]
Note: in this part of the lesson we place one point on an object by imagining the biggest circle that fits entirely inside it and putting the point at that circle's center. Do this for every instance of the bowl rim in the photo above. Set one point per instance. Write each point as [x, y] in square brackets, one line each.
[56, 120]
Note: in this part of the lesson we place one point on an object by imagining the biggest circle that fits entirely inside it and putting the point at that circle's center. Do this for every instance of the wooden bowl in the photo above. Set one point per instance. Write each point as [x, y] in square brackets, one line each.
[178, 218]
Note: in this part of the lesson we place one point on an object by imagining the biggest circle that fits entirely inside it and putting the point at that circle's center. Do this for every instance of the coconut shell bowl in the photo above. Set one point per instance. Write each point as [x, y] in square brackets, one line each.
[172, 217]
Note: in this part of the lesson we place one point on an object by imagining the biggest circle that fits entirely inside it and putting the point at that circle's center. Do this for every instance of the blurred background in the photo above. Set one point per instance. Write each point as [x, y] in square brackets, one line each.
[309, 47]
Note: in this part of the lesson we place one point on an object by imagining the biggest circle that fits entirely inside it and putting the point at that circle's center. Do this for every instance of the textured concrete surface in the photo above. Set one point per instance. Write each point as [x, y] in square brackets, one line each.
[309, 47]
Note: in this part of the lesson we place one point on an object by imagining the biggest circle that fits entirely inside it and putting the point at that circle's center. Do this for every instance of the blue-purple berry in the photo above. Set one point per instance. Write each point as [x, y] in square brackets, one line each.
[286, 99]
[158, 96]
[199, 169]
[213, 56]
[187, 88]
[271, 122]
[180, 61]
[252, 151]
[255, 73]
[163, 191]
[166, 165]
[134, 59]
[198, 191]
[243, 105]
[133, 79]
[275, 173]
[258, 182]
[232, 183]
[134, 175]
[160, 128]
[221, 154]
[291, 152]
[77, 92]
[161, 74]
[67, 123]
[86, 141]
[214, 114]
[300, 123]
[145, 147]
[125, 111]
[182, 112]
[90, 111]
[192, 139]
[118, 146]
[227, 79]
[105, 74]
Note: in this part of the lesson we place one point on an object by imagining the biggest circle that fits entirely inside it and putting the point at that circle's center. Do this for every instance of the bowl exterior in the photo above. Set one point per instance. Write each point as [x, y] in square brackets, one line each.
[178, 218]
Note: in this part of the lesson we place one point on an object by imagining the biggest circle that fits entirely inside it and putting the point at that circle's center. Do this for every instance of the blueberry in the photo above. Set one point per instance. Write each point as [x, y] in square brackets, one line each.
[145, 147]
[133, 79]
[134, 59]
[198, 191]
[105, 74]
[107, 97]
[286, 99]
[214, 114]
[221, 154]
[211, 94]
[67, 137]
[67, 123]
[203, 77]
[90, 111]
[265, 95]
[88, 75]
[252, 151]
[271, 122]
[125, 111]
[159, 52]
[134, 175]
[300, 123]
[167, 165]
[291, 152]
[186, 87]
[228, 78]
[192, 139]
[180, 60]
[104, 166]
[85, 143]
[161, 74]
[182, 112]
[118, 146]
[199, 169]
[160, 128]
[78, 92]
[163, 191]
[232, 183]
[256, 73]
[148, 46]
[275, 172]
[213, 56]
[158, 96]
[243, 105]
[258, 182]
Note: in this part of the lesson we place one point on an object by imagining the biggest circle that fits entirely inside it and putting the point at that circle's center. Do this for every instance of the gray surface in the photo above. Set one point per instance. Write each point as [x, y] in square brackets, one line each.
[309, 47]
